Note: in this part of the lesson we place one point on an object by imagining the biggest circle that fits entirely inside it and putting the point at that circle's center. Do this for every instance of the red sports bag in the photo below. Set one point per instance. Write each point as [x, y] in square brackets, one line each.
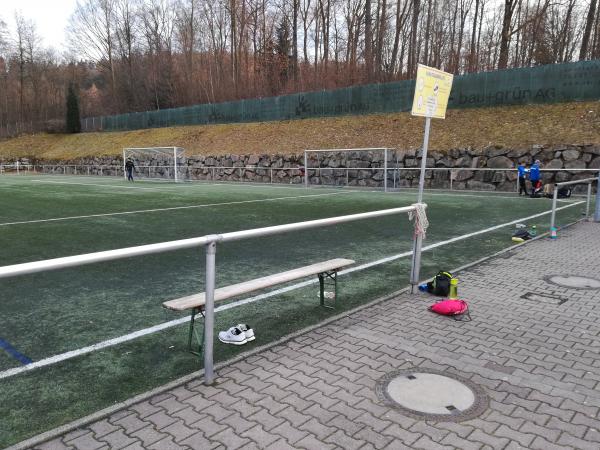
[454, 308]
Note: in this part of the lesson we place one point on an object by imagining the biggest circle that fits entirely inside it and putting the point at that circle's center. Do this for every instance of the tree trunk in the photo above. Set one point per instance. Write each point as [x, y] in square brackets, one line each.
[368, 42]
[505, 34]
[413, 51]
[588, 30]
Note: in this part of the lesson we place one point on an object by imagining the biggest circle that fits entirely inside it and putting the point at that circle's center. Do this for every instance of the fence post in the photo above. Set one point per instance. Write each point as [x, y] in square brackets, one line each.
[554, 200]
[597, 213]
[385, 169]
[588, 199]
[209, 311]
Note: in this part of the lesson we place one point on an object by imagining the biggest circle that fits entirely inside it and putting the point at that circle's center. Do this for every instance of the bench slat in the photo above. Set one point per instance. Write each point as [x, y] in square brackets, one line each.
[197, 300]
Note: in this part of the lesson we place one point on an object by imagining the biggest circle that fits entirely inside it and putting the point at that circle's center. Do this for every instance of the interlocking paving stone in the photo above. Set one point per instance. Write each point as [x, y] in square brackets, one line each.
[537, 362]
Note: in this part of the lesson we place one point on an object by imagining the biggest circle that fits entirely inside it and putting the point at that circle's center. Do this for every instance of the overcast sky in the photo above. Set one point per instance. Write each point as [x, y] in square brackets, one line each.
[50, 17]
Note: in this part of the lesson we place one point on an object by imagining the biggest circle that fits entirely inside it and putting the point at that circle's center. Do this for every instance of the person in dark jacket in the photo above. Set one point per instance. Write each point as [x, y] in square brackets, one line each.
[534, 177]
[129, 167]
[522, 180]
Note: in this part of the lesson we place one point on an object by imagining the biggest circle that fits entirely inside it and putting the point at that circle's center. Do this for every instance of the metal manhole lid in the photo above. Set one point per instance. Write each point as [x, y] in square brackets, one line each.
[432, 395]
[574, 281]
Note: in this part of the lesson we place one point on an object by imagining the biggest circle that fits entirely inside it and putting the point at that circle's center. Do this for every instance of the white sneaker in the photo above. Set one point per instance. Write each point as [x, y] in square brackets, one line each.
[249, 332]
[233, 336]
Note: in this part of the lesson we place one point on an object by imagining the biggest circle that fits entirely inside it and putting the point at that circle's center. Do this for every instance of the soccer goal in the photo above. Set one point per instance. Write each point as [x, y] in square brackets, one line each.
[362, 167]
[167, 163]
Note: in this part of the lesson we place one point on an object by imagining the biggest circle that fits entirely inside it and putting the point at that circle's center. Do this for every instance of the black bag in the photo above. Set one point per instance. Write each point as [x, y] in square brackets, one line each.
[523, 234]
[440, 285]
[564, 192]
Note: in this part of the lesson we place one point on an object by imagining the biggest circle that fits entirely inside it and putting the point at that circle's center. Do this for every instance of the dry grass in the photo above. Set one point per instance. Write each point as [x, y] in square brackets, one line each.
[517, 126]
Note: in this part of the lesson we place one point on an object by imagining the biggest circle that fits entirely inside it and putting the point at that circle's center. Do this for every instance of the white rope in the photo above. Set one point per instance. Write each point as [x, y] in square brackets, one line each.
[421, 222]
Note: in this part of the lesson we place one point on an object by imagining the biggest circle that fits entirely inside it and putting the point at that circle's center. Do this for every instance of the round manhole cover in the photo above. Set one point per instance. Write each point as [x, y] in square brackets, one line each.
[574, 281]
[432, 395]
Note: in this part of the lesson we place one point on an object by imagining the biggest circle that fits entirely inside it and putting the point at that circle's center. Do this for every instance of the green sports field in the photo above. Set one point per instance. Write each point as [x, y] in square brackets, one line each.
[44, 316]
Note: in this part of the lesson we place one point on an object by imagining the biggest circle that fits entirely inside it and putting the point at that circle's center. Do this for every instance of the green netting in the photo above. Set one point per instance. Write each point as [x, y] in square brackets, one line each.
[542, 84]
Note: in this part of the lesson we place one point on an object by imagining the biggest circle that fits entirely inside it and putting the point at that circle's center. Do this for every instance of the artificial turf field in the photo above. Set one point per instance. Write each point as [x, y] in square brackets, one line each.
[52, 313]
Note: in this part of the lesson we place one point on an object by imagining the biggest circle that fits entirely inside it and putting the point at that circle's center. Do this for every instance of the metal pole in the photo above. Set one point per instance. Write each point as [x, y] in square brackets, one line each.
[416, 263]
[451, 178]
[124, 171]
[424, 160]
[554, 200]
[587, 203]
[597, 213]
[305, 169]
[209, 311]
[385, 167]
[175, 162]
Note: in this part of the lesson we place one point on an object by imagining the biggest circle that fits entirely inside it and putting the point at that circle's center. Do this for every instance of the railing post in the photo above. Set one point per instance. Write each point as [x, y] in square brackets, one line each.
[587, 203]
[597, 212]
[385, 170]
[554, 200]
[209, 311]
[305, 169]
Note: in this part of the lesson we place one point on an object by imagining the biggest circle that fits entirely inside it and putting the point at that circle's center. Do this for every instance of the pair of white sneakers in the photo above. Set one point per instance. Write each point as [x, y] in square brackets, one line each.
[237, 335]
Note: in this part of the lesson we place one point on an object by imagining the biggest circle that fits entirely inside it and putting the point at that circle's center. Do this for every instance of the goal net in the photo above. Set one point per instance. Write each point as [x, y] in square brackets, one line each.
[167, 163]
[361, 167]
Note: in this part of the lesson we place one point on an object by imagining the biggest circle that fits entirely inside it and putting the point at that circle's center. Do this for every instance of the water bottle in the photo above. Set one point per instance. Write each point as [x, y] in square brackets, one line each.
[453, 289]
[533, 231]
[553, 231]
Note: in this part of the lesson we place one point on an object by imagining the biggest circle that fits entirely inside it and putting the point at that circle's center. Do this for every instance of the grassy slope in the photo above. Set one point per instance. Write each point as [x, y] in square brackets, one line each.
[509, 126]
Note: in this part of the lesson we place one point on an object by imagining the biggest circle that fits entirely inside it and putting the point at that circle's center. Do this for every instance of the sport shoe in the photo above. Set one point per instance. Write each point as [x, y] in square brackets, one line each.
[249, 332]
[233, 336]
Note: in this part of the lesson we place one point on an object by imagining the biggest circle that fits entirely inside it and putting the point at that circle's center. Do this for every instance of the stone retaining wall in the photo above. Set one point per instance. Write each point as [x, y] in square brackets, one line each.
[361, 168]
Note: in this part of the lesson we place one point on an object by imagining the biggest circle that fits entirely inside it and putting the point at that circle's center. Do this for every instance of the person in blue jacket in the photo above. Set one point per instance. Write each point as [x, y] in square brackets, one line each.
[522, 181]
[534, 177]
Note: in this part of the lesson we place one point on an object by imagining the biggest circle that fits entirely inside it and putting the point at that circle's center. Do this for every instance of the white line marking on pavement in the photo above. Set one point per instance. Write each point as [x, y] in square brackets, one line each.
[173, 208]
[166, 325]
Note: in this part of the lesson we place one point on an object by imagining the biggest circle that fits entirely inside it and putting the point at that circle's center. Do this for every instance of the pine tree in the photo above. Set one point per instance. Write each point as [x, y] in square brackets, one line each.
[73, 120]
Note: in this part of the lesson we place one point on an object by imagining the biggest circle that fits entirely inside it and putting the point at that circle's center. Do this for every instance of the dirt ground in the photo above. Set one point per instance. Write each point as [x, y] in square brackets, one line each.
[516, 126]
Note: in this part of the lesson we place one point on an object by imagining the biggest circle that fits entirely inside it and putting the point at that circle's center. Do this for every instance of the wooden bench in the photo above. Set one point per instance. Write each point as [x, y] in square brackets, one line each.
[324, 270]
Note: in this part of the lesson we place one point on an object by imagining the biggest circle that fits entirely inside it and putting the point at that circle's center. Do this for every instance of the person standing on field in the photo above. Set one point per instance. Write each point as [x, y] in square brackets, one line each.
[129, 167]
[522, 181]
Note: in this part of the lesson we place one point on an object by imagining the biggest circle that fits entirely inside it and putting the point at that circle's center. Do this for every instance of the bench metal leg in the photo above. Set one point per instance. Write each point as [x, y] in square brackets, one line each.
[193, 332]
[322, 278]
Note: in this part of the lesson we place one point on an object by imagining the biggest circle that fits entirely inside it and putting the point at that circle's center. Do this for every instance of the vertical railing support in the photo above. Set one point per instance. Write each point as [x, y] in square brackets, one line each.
[587, 202]
[385, 169]
[209, 311]
[305, 169]
[554, 201]
[597, 212]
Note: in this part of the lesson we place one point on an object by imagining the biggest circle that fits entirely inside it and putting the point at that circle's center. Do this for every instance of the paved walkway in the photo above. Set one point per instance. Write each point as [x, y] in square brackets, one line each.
[537, 360]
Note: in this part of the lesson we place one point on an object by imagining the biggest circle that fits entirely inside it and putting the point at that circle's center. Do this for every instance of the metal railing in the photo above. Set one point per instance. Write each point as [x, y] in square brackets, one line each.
[587, 181]
[210, 242]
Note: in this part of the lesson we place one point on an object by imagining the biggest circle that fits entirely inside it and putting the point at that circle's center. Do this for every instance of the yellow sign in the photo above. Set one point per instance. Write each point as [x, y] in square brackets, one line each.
[432, 91]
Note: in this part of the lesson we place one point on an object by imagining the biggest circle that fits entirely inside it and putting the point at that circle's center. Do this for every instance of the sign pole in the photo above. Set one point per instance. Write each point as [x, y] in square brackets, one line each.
[432, 91]
[424, 159]
[418, 242]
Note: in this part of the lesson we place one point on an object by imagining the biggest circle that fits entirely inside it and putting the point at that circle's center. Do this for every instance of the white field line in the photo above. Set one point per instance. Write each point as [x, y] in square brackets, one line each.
[173, 208]
[163, 326]
[112, 186]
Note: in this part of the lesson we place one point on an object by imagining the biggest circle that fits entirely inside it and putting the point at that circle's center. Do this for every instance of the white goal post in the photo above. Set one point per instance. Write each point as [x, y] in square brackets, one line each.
[346, 167]
[157, 162]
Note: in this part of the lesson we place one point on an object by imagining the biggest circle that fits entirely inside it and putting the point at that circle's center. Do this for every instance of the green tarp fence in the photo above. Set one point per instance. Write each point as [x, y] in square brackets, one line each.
[542, 84]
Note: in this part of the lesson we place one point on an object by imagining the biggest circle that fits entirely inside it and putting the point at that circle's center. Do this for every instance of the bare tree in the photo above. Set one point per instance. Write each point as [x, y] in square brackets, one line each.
[589, 22]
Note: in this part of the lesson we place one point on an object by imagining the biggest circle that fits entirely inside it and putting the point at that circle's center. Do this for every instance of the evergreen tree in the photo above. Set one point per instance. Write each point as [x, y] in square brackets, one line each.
[73, 120]
[283, 49]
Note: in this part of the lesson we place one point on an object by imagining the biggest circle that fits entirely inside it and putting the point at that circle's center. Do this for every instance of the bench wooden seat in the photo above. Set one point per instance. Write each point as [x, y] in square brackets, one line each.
[196, 302]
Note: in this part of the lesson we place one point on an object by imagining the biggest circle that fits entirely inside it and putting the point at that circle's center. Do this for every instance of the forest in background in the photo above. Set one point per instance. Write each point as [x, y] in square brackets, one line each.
[138, 55]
